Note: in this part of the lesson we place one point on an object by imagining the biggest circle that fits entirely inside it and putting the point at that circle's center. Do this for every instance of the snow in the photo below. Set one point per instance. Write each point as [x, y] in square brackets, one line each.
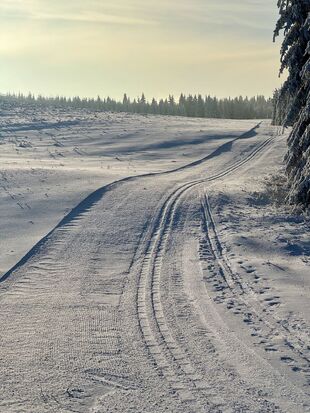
[159, 277]
[50, 161]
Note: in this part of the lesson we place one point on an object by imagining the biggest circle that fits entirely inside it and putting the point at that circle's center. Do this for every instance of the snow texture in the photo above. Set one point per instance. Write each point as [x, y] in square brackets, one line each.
[167, 281]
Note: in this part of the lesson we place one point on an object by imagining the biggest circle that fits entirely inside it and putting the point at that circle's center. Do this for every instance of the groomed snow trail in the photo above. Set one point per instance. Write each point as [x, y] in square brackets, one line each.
[121, 307]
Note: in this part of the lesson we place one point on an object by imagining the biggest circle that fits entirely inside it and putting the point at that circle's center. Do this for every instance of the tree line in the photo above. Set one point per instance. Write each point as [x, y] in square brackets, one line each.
[257, 107]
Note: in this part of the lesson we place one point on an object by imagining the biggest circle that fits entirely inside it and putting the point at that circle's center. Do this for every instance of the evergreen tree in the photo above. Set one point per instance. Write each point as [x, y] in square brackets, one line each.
[182, 108]
[126, 103]
[171, 103]
[195, 106]
[189, 106]
[154, 106]
[142, 104]
[295, 93]
[200, 107]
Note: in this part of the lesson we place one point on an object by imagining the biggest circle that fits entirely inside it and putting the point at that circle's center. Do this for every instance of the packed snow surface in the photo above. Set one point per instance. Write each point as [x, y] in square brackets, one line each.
[145, 269]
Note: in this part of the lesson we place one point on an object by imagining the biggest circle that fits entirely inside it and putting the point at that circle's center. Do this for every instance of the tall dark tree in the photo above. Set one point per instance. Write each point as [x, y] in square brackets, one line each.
[154, 106]
[200, 107]
[126, 102]
[295, 56]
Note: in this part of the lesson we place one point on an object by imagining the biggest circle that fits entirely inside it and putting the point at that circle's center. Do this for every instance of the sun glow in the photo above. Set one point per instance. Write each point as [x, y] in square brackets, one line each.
[95, 47]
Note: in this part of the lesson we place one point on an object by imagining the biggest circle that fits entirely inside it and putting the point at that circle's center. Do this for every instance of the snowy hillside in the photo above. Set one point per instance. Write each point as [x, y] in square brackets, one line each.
[145, 268]
[51, 160]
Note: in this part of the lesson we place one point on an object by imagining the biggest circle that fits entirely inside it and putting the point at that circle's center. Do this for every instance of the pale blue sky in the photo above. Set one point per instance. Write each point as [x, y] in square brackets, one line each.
[90, 47]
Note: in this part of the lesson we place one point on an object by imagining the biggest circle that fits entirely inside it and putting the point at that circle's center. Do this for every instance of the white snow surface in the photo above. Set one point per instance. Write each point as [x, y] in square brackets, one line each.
[144, 269]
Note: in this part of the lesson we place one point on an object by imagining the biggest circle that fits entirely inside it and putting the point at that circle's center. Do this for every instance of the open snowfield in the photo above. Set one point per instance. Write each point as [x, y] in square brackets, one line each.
[144, 268]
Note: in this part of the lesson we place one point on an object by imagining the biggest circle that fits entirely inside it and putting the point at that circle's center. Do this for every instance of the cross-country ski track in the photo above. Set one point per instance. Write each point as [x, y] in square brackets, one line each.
[131, 304]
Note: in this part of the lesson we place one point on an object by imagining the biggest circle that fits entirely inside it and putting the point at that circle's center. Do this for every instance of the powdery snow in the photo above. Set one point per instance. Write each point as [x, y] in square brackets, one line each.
[49, 161]
[180, 291]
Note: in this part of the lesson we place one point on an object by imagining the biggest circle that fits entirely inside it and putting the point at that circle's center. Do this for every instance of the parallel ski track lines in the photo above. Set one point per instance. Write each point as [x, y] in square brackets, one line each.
[155, 331]
[169, 358]
[248, 296]
[91, 199]
[165, 351]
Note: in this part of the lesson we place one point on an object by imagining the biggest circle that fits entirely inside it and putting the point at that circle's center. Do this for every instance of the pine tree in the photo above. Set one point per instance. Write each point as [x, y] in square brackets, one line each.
[171, 102]
[142, 104]
[125, 101]
[154, 107]
[195, 106]
[200, 107]
[182, 103]
[143, 100]
[189, 106]
[295, 56]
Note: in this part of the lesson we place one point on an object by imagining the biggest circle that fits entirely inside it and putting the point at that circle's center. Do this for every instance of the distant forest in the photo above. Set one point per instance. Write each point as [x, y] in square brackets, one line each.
[190, 106]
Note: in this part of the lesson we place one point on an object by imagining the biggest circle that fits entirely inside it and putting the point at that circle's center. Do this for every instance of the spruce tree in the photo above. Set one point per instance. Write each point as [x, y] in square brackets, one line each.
[125, 103]
[295, 56]
[200, 107]
[154, 106]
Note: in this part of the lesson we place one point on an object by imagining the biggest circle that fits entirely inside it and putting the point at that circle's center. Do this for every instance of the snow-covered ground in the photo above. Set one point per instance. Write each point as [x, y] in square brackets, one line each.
[159, 276]
[51, 160]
